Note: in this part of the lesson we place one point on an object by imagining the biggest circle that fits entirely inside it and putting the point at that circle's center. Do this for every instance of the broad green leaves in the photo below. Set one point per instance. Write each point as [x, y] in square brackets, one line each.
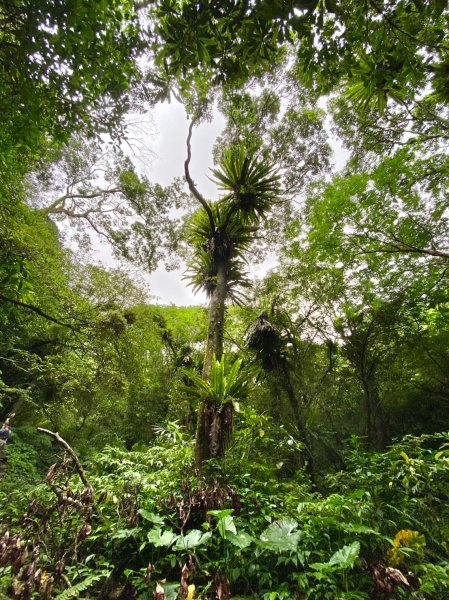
[192, 539]
[240, 539]
[342, 559]
[281, 536]
[161, 538]
[150, 516]
[227, 529]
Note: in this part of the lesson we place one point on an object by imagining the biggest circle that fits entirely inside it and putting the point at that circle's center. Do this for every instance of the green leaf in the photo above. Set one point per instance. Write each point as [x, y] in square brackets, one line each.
[123, 534]
[75, 590]
[152, 517]
[346, 556]
[226, 524]
[241, 539]
[281, 536]
[193, 539]
[221, 514]
[342, 559]
[160, 538]
[358, 528]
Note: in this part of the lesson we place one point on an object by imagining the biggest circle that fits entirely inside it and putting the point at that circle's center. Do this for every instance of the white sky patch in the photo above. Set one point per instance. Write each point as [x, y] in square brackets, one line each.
[157, 146]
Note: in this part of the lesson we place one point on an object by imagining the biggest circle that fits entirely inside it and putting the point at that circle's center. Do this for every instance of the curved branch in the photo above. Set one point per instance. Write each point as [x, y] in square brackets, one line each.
[399, 247]
[72, 455]
[190, 182]
[37, 310]
[58, 206]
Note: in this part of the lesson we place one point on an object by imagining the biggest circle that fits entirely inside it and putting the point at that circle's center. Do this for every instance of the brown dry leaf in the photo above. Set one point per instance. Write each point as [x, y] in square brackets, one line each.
[159, 593]
[223, 589]
[397, 576]
[184, 591]
[387, 579]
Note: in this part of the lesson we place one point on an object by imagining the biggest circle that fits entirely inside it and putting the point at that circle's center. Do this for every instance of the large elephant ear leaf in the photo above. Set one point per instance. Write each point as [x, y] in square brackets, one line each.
[281, 536]
[346, 556]
[341, 559]
[194, 538]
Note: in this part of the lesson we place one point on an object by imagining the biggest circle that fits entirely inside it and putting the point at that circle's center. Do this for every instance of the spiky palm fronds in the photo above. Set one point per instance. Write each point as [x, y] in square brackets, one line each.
[252, 185]
[199, 228]
[202, 275]
[223, 387]
[227, 238]
[237, 278]
[202, 272]
[225, 232]
[227, 241]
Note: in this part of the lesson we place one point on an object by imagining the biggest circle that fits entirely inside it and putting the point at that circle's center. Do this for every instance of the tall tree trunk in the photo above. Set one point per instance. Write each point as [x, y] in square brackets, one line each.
[214, 420]
[216, 320]
[376, 429]
[299, 419]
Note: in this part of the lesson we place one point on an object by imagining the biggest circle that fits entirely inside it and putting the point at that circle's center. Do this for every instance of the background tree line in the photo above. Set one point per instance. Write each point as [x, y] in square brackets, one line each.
[205, 428]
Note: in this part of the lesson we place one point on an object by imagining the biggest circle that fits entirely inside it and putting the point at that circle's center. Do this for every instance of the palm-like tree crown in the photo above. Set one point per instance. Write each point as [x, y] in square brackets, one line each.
[225, 232]
[252, 186]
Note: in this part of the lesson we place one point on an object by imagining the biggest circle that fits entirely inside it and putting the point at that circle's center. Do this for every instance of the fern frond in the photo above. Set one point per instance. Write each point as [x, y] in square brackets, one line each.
[82, 586]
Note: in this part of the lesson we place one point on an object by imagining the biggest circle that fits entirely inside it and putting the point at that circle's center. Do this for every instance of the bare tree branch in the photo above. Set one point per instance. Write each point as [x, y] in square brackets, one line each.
[194, 191]
[73, 456]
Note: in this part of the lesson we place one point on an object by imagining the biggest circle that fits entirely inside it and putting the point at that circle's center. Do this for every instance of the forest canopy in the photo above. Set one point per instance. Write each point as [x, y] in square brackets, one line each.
[288, 437]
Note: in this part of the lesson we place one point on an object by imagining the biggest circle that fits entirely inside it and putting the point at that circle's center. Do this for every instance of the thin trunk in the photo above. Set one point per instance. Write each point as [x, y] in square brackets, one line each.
[299, 420]
[216, 320]
[380, 425]
[368, 413]
[376, 429]
[214, 420]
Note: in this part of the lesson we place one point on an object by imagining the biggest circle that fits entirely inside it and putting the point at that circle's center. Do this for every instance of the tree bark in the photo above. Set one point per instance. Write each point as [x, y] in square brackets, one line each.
[214, 426]
[216, 320]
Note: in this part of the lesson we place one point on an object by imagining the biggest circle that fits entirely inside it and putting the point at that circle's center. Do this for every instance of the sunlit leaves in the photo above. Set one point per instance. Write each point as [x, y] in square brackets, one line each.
[64, 68]
[388, 218]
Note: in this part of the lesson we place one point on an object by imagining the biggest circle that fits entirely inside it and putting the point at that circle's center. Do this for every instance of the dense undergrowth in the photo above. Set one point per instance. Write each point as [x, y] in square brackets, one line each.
[257, 528]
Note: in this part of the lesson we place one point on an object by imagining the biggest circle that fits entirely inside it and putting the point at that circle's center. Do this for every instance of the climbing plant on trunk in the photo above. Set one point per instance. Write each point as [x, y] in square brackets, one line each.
[220, 234]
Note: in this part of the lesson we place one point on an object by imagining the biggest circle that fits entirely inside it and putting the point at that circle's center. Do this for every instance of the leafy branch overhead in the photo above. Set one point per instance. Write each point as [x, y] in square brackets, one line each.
[100, 193]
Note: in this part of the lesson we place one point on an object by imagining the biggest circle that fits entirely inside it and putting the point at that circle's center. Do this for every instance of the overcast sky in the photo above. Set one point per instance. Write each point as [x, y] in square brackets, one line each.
[158, 145]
